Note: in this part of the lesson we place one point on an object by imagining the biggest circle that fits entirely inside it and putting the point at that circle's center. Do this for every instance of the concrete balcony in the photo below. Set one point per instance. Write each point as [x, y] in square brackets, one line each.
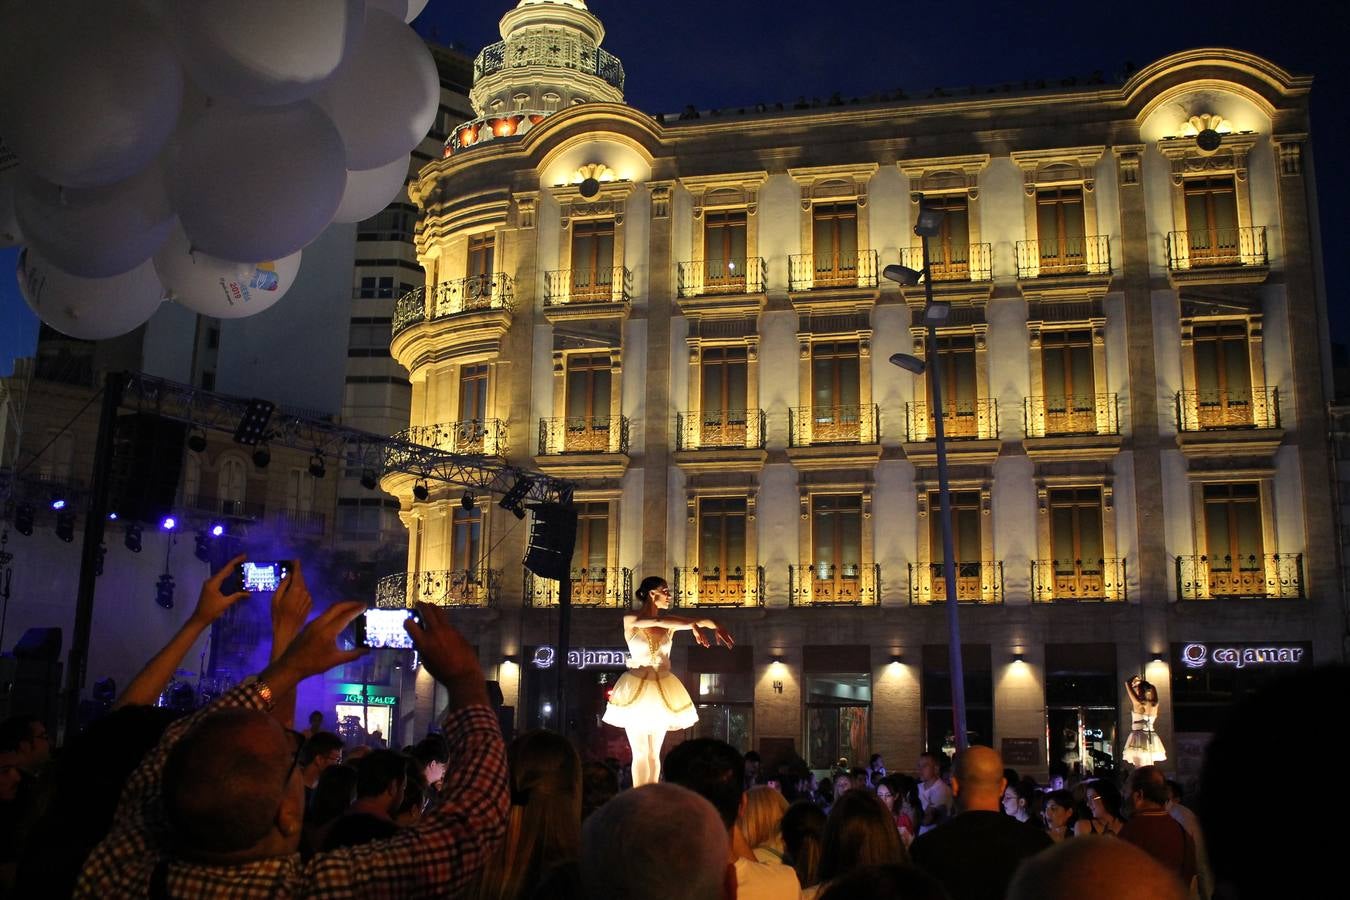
[825, 437]
[826, 271]
[976, 582]
[583, 446]
[1229, 422]
[1218, 256]
[1270, 575]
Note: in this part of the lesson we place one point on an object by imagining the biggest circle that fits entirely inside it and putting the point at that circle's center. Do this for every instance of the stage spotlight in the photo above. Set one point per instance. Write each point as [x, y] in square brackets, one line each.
[514, 498]
[196, 440]
[169, 524]
[164, 591]
[133, 538]
[468, 501]
[217, 530]
[23, 519]
[58, 504]
[317, 469]
[112, 517]
[65, 525]
[202, 547]
[253, 425]
[420, 491]
[262, 456]
[369, 480]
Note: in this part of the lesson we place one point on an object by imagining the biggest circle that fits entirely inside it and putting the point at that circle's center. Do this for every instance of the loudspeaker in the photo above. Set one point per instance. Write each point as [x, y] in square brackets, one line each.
[42, 644]
[553, 535]
[147, 460]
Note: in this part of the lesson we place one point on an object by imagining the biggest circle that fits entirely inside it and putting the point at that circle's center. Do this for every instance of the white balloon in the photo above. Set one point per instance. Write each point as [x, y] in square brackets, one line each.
[96, 232]
[415, 8]
[265, 52]
[218, 287]
[88, 308]
[385, 96]
[371, 190]
[258, 182]
[89, 91]
[10, 236]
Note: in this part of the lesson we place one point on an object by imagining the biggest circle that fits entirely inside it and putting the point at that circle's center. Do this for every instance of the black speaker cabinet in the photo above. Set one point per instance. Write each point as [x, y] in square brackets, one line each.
[147, 461]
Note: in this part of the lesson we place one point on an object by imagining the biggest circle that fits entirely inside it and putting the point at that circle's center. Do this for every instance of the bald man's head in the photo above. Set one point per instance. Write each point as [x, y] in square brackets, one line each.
[1116, 870]
[225, 783]
[977, 778]
[660, 842]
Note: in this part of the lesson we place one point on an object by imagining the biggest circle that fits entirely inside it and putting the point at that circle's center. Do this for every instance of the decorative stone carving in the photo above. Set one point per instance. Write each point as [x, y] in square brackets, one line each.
[1127, 163]
[660, 202]
[922, 501]
[525, 207]
[1291, 155]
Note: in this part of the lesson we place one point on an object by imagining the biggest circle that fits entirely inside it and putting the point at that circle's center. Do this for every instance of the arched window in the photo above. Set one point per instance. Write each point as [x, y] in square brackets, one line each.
[231, 485]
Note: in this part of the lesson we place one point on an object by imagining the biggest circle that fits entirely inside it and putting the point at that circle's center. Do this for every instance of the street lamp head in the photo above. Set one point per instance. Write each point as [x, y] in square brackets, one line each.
[902, 275]
[908, 363]
[929, 222]
[937, 311]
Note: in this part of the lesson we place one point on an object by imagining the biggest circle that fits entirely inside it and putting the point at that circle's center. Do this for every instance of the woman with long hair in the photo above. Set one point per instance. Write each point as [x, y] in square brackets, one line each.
[543, 828]
[803, 830]
[1143, 747]
[1103, 801]
[858, 832]
[648, 700]
[900, 793]
[1017, 801]
[759, 823]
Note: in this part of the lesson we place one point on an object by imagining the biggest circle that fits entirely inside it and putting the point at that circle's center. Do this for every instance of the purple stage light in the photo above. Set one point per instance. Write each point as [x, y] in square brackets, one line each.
[58, 504]
[217, 530]
[112, 517]
[169, 523]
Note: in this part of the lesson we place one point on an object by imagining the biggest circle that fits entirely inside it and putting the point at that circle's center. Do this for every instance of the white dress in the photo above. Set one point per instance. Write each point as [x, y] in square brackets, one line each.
[1143, 747]
[649, 696]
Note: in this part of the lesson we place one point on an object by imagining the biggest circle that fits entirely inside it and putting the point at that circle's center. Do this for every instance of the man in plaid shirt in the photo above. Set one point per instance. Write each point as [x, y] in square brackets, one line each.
[215, 810]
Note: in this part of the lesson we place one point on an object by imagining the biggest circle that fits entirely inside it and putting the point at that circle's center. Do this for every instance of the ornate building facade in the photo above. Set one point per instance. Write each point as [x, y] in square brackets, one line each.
[688, 319]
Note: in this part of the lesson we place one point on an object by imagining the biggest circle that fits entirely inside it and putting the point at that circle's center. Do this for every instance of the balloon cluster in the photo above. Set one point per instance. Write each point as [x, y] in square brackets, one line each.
[154, 149]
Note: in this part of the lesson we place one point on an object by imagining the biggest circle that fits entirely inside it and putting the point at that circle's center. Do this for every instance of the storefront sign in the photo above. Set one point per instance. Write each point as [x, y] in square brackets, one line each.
[582, 658]
[1022, 752]
[365, 694]
[1243, 656]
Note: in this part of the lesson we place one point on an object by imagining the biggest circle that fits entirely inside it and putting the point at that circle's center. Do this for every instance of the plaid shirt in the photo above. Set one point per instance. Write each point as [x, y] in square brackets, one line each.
[440, 857]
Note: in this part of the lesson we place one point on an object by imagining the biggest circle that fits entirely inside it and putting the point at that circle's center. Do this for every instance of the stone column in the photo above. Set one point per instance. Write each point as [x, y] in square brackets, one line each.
[656, 396]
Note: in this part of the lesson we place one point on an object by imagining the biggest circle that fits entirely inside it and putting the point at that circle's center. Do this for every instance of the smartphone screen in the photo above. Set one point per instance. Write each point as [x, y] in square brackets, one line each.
[257, 576]
[383, 628]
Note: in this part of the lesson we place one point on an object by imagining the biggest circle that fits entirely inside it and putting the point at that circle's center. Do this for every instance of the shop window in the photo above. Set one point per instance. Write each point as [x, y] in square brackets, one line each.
[1081, 691]
[725, 697]
[939, 733]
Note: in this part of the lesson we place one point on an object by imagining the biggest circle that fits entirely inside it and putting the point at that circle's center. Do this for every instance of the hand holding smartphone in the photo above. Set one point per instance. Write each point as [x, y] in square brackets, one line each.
[383, 629]
[257, 576]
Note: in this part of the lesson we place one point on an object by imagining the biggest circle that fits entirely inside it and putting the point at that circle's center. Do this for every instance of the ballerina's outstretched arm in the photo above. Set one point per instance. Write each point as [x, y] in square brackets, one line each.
[680, 623]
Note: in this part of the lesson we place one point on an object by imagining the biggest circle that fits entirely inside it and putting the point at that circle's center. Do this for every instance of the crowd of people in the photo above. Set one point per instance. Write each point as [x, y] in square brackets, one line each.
[231, 800]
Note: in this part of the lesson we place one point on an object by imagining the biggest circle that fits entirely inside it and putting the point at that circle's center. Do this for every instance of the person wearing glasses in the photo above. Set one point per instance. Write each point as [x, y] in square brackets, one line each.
[1103, 801]
[648, 700]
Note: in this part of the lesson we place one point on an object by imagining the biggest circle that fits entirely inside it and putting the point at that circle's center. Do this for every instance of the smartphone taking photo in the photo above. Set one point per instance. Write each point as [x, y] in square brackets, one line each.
[257, 576]
[383, 629]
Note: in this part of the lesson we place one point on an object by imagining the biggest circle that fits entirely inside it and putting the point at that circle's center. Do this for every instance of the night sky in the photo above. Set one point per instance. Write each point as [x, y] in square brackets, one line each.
[722, 53]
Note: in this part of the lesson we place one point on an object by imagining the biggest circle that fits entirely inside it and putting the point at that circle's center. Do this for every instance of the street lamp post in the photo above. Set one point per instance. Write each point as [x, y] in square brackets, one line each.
[927, 226]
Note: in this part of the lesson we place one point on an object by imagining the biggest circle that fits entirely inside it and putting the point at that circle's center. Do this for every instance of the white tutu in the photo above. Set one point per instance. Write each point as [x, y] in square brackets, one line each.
[1143, 747]
[650, 699]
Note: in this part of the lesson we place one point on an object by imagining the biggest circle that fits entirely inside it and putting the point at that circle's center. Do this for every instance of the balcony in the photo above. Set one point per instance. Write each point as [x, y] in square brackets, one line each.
[812, 426]
[1085, 414]
[482, 437]
[546, 50]
[721, 277]
[449, 298]
[1077, 579]
[976, 582]
[598, 587]
[491, 127]
[837, 271]
[457, 587]
[1231, 255]
[827, 584]
[583, 434]
[221, 506]
[1090, 255]
[299, 521]
[1272, 575]
[1215, 410]
[590, 288]
[713, 587]
[951, 262]
[970, 421]
[733, 429]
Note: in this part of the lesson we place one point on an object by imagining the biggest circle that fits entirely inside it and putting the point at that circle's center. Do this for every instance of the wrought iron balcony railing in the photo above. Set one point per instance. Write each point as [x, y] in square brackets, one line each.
[1216, 247]
[1077, 579]
[457, 587]
[1084, 414]
[827, 584]
[976, 582]
[1209, 410]
[583, 434]
[299, 521]
[546, 48]
[1090, 255]
[714, 587]
[223, 506]
[477, 292]
[951, 262]
[812, 426]
[969, 421]
[564, 287]
[813, 271]
[720, 429]
[710, 277]
[598, 586]
[478, 436]
[491, 127]
[1275, 575]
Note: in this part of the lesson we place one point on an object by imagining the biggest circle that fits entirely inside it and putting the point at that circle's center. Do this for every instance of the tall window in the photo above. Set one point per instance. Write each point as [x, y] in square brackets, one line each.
[480, 267]
[834, 391]
[192, 480]
[592, 259]
[721, 549]
[966, 541]
[960, 395]
[950, 250]
[1211, 220]
[1076, 541]
[1068, 381]
[466, 532]
[230, 485]
[723, 371]
[724, 250]
[1233, 539]
[836, 544]
[1223, 378]
[473, 392]
[376, 287]
[1059, 228]
[835, 237]
[588, 402]
[299, 491]
[590, 556]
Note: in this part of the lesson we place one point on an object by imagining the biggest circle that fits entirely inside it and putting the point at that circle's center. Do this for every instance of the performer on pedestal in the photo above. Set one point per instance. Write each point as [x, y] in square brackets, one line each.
[1143, 747]
[648, 700]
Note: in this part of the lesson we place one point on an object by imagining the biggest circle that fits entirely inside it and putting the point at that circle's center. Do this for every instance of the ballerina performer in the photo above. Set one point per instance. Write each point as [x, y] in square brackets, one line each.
[648, 700]
[1143, 747]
